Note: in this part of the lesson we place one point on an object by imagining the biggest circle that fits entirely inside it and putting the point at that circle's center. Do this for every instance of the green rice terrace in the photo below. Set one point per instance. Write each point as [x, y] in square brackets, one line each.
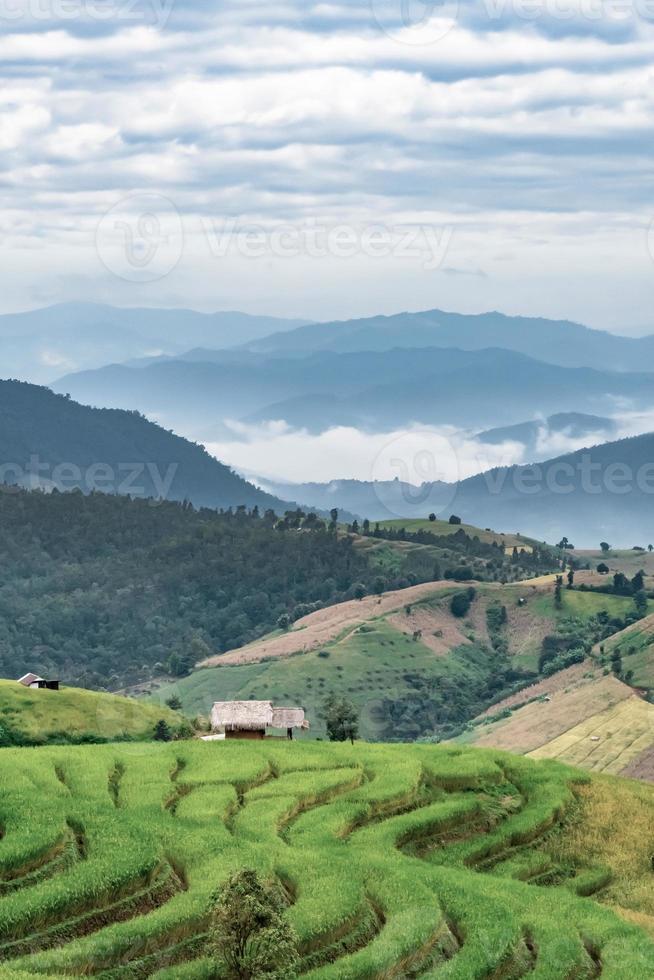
[396, 861]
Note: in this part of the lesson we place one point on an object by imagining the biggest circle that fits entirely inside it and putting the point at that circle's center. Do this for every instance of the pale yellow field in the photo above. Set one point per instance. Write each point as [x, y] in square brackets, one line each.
[605, 742]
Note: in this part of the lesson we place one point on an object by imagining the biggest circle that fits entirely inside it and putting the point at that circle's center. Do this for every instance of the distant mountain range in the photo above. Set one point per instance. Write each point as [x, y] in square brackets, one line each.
[373, 391]
[605, 492]
[51, 441]
[40, 345]
[554, 341]
[529, 381]
[386, 499]
[535, 433]
[377, 500]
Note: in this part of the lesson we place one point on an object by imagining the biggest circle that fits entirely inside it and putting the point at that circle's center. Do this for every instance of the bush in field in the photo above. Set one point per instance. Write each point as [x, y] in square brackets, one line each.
[461, 602]
[162, 732]
[248, 931]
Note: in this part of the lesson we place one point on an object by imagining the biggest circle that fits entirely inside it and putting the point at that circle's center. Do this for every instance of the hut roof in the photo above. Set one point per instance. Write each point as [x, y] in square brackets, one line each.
[28, 679]
[289, 718]
[242, 715]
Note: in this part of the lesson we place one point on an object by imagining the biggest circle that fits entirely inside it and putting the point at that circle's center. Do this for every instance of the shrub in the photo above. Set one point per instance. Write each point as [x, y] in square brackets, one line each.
[248, 930]
[460, 604]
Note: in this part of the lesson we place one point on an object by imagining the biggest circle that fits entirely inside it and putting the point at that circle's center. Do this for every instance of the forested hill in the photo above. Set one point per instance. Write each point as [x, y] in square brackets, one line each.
[106, 591]
[102, 591]
[48, 439]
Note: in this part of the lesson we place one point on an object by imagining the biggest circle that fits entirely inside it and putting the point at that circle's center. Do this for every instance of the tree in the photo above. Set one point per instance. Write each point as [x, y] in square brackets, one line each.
[284, 622]
[180, 664]
[366, 526]
[650, 548]
[558, 598]
[605, 546]
[616, 662]
[341, 719]
[248, 930]
[454, 519]
[432, 517]
[378, 585]
[359, 590]
[174, 703]
[460, 604]
[162, 732]
[640, 601]
[571, 578]
[603, 569]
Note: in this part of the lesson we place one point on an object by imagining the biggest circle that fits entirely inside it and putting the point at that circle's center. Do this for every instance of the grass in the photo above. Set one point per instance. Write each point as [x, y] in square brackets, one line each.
[444, 528]
[635, 644]
[365, 666]
[378, 661]
[583, 604]
[73, 714]
[402, 861]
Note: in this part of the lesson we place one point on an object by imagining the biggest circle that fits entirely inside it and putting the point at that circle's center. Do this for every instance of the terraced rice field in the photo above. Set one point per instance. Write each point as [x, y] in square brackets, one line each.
[606, 742]
[398, 862]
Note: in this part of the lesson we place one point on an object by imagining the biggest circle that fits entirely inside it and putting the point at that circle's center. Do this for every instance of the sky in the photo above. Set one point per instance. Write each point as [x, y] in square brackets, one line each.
[328, 160]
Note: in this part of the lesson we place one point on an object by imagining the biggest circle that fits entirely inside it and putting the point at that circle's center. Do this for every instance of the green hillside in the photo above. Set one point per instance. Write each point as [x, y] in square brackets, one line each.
[103, 591]
[107, 592]
[396, 861]
[636, 647]
[32, 717]
[487, 536]
[410, 665]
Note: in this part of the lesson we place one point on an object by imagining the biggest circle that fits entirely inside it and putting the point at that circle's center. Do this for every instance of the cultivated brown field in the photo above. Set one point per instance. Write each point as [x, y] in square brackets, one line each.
[322, 627]
[541, 722]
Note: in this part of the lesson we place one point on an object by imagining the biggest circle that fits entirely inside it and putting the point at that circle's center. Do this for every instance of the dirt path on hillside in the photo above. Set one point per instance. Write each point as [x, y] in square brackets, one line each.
[322, 627]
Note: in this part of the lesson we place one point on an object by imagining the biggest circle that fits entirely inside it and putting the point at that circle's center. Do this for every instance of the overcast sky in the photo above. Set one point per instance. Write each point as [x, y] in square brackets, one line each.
[330, 160]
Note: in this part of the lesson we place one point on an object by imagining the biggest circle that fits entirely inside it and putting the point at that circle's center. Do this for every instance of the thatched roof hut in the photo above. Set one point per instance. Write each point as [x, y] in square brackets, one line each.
[249, 719]
[242, 716]
[289, 718]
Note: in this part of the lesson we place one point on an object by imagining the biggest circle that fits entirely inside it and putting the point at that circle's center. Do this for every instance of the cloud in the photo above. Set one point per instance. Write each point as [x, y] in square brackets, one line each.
[413, 455]
[530, 134]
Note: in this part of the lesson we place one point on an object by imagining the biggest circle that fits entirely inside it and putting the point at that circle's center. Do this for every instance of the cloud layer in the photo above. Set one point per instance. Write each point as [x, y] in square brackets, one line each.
[524, 128]
[414, 455]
